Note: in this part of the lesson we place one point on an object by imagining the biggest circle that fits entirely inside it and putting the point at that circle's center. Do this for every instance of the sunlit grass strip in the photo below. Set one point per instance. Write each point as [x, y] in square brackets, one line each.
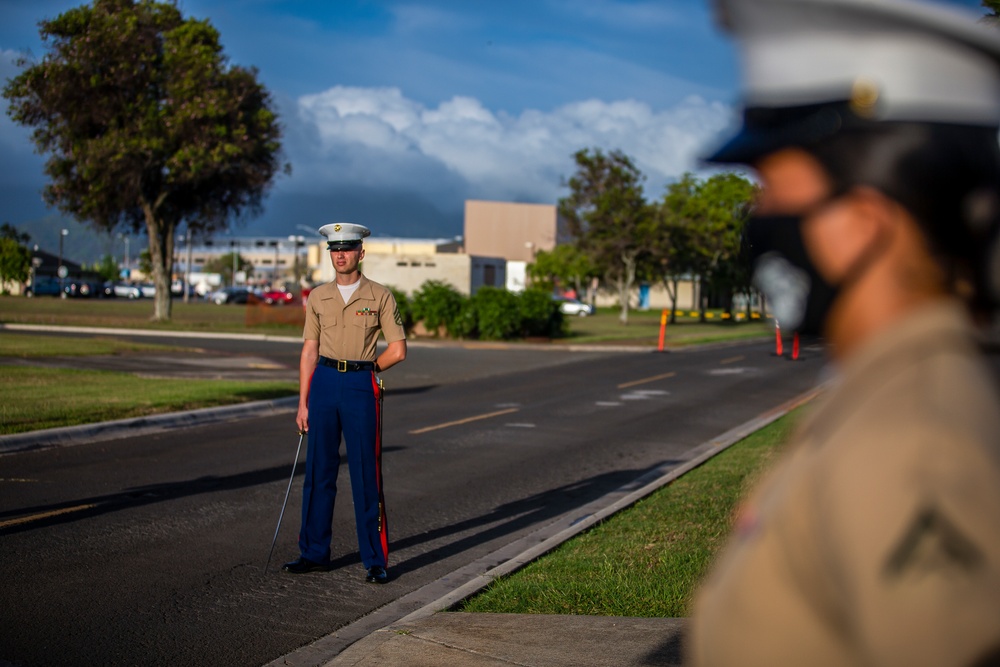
[37, 398]
[647, 560]
[24, 346]
[644, 329]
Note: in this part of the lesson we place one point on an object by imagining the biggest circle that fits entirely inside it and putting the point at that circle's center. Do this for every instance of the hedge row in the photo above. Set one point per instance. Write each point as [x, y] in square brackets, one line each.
[490, 314]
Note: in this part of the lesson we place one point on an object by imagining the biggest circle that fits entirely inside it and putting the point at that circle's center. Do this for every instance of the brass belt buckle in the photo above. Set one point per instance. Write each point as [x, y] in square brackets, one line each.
[342, 365]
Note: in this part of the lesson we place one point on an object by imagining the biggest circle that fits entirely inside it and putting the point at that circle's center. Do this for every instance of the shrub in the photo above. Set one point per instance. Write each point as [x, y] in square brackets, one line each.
[540, 314]
[466, 324]
[498, 316]
[437, 304]
[405, 306]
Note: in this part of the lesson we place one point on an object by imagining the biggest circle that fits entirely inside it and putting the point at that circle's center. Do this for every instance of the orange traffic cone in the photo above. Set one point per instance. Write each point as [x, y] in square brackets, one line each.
[778, 349]
[795, 346]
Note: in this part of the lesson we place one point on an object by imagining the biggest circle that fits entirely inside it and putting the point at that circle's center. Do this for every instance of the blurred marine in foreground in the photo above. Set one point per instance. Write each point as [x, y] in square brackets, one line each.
[872, 126]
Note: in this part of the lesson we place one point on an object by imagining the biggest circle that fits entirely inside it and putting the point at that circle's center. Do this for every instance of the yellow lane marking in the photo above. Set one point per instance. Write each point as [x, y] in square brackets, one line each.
[645, 380]
[463, 421]
[732, 360]
[44, 515]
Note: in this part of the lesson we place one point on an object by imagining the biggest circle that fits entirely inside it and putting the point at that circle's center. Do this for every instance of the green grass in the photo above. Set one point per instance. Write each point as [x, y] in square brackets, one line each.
[26, 346]
[647, 560]
[137, 314]
[34, 398]
[643, 328]
[602, 327]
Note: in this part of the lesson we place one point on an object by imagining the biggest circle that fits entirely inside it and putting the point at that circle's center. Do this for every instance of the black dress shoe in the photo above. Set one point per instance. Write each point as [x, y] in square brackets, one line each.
[377, 575]
[303, 565]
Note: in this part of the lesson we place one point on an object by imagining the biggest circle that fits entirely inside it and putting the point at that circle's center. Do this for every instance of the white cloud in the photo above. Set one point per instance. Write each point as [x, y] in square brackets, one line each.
[462, 149]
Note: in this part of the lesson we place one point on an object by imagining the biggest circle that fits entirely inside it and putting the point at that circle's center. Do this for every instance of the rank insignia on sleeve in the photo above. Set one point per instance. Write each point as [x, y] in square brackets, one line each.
[932, 543]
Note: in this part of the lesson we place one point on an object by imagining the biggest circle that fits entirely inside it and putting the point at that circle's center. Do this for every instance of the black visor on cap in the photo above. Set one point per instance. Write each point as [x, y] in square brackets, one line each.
[342, 245]
[768, 129]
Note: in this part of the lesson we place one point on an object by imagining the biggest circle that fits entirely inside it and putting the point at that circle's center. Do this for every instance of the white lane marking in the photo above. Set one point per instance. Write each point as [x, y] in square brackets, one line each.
[729, 371]
[643, 394]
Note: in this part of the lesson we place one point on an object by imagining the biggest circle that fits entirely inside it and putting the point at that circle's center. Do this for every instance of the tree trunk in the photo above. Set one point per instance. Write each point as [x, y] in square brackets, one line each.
[161, 254]
[671, 283]
[702, 299]
[625, 283]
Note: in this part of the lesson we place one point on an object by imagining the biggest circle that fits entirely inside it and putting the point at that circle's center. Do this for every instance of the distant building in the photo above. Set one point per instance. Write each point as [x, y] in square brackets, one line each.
[512, 231]
[275, 260]
[406, 264]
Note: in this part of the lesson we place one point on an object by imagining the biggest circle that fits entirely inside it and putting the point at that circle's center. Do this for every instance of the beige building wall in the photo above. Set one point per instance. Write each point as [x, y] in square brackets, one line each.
[509, 230]
[659, 298]
[466, 273]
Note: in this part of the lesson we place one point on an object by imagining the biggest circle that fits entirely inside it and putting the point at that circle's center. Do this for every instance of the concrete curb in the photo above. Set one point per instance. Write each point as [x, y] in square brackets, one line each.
[450, 590]
[68, 436]
[119, 331]
[563, 347]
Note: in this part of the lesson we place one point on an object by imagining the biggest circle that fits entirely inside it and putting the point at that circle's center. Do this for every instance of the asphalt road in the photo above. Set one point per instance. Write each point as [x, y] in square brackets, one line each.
[150, 550]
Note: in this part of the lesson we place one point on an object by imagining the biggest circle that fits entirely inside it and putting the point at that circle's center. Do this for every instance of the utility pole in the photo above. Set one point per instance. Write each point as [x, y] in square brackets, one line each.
[61, 272]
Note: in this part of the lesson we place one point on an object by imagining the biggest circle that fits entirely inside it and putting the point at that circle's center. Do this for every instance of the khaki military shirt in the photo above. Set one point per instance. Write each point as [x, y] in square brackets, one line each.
[350, 330]
[876, 539]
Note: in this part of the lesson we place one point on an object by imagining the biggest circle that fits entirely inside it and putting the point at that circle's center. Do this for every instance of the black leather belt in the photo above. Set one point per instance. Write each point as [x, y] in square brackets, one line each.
[344, 366]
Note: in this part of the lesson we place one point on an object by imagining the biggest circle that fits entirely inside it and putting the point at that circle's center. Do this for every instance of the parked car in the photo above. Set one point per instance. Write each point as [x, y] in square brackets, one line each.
[231, 295]
[147, 290]
[277, 297]
[127, 291]
[82, 288]
[570, 306]
[44, 286]
[177, 289]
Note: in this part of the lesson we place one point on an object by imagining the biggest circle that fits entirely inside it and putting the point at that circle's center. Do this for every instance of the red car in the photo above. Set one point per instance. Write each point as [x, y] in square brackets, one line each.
[277, 297]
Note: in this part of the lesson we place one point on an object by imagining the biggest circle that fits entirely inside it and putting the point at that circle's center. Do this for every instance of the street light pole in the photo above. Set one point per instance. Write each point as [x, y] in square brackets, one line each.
[187, 267]
[186, 238]
[274, 275]
[124, 237]
[36, 262]
[234, 248]
[60, 271]
[297, 242]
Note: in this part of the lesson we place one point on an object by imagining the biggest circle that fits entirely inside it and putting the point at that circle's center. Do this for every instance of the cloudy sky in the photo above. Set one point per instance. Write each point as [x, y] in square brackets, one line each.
[396, 112]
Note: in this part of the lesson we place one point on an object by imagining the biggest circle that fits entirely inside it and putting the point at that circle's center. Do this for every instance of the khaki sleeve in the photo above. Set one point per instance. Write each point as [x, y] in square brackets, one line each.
[311, 330]
[914, 538]
[390, 319]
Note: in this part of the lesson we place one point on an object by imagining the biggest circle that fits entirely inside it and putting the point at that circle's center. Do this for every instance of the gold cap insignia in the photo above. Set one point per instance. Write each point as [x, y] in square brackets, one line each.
[336, 228]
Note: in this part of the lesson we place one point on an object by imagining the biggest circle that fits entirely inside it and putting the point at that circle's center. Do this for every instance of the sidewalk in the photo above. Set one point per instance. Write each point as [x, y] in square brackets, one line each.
[482, 640]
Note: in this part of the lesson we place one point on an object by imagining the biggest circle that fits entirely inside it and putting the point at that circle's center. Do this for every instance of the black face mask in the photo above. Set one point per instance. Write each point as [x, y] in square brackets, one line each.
[799, 298]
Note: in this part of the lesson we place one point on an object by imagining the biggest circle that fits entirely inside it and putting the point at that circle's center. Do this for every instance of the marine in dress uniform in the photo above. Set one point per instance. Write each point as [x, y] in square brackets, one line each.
[340, 395]
[875, 540]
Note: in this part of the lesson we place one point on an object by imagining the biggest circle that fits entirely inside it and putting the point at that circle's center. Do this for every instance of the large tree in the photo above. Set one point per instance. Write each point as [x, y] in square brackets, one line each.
[609, 217]
[564, 264]
[672, 255]
[713, 215]
[15, 258]
[146, 125]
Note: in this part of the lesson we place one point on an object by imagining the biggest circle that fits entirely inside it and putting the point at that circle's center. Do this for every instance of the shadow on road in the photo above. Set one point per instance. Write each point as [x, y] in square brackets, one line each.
[41, 516]
[511, 517]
